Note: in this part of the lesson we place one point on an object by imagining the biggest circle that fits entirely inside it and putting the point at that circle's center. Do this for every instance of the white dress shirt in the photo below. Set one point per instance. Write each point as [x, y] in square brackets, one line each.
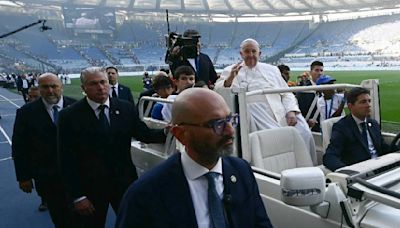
[25, 83]
[116, 89]
[49, 107]
[371, 146]
[198, 186]
[95, 107]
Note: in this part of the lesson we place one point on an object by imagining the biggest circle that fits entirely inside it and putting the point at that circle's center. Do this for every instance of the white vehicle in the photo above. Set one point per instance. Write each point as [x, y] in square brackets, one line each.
[296, 193]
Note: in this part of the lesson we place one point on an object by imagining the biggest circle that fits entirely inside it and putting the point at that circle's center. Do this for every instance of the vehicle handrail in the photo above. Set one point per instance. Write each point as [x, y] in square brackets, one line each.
[375, 193]
[301, 89]
[152, 99]
[264, 172]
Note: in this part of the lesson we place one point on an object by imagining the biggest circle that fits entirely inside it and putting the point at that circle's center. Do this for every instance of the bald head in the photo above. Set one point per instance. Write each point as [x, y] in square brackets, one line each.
[196, 105]
[48, 76]
[50, 87]
[200, 122]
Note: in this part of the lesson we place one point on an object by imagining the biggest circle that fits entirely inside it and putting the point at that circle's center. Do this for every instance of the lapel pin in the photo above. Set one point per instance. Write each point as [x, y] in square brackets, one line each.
[233, 179]
[116, 112]
[369, 124]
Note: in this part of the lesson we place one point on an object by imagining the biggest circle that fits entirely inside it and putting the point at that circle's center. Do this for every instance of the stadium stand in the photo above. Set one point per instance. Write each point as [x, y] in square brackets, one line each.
[347, 43]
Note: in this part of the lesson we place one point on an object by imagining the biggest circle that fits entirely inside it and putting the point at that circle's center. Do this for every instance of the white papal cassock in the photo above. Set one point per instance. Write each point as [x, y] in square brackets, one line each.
[269, 111]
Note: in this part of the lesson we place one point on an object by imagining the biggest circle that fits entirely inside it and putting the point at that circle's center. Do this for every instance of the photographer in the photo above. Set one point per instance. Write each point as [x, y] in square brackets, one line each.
[183, 53]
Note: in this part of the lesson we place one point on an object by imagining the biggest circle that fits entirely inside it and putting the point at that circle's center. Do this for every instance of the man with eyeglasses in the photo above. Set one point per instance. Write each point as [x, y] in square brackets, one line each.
[202, 186]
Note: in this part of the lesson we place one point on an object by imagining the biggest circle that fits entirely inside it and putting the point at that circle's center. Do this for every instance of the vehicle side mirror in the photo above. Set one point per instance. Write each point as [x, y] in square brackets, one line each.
[303, 186]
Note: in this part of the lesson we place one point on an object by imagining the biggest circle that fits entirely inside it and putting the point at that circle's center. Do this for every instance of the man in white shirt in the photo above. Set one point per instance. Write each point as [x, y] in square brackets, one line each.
[270, 110]
[202, 186]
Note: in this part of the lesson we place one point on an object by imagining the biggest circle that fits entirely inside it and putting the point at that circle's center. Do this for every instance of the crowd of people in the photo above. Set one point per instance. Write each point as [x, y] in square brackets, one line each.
[78, 152]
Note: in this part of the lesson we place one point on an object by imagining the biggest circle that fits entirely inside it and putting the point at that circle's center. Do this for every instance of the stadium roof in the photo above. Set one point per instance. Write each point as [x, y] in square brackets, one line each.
[228, 7]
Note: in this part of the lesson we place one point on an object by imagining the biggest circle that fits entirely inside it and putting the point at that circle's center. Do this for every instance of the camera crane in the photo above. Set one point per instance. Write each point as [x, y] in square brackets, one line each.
[43, 28]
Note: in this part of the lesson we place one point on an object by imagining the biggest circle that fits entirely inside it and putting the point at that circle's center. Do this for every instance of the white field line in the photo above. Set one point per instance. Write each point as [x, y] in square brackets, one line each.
[5, 98]
[2, 129]
[5, 159]
[5, 135]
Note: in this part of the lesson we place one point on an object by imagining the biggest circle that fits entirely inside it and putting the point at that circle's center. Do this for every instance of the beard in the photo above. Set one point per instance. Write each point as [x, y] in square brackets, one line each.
[210, 153]
[52, 99]
[225, 149]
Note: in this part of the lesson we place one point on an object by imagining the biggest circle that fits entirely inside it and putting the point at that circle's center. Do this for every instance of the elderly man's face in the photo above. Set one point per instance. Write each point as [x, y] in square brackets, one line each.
[96, 87]
[250, 54]
[50, 89]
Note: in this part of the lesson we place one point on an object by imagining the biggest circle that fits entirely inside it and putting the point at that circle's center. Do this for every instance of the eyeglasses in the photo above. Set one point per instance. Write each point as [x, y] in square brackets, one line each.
[218, 125]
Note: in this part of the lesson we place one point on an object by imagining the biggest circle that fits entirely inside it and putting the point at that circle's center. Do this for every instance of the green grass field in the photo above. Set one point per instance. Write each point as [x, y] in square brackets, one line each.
[389, 90]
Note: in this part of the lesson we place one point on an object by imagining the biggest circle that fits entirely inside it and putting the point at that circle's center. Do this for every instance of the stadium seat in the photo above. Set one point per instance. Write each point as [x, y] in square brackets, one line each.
[279, 149]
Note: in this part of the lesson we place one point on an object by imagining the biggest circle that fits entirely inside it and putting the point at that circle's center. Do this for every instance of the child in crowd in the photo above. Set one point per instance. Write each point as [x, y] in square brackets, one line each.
[184, 77]
[330, 103]
[163, 87]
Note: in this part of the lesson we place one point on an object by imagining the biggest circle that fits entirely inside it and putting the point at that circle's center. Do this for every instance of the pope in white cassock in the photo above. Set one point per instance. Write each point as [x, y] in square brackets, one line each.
[270, 110]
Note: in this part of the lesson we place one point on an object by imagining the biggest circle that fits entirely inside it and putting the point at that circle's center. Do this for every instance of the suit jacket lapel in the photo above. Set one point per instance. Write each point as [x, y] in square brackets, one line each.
[89, 116]
[121, 92]
[114, 113]
[67, 102]
[357, 133]
[176, 195]
[373, 133]
[233, 194]
[42, 111]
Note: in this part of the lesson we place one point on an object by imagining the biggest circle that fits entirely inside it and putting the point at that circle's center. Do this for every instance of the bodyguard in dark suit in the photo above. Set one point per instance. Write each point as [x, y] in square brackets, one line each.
[34, 147]
[94, 147]
[200, 187]
[117, 90]
[355, 138]
[201, 65]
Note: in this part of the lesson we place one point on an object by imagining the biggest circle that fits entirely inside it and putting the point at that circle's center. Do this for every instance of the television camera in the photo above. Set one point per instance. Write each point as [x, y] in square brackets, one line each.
[187, 45]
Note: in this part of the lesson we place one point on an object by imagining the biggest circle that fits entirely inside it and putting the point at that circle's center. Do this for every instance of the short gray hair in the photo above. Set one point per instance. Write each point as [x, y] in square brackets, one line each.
[249, 40]
[89, 71]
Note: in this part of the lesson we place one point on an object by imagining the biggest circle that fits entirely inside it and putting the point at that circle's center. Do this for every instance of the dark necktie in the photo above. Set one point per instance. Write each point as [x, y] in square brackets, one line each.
[364, 133]
[105, 125]
[55, 114]
[114, 93]
[215, 205]
[197, 63]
